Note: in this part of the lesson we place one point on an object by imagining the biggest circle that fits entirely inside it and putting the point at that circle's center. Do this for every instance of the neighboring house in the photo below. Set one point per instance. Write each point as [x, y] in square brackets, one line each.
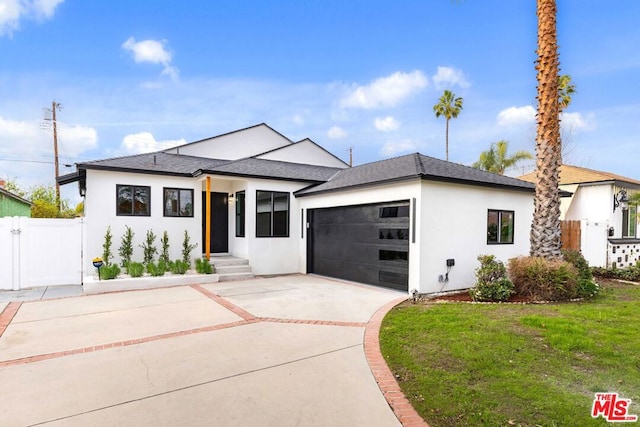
[608, 224]
[13, 205]
[412, 222]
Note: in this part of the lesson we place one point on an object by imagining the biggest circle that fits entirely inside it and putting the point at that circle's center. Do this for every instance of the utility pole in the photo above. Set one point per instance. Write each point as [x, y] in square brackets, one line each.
[55, 106]
[350, 156]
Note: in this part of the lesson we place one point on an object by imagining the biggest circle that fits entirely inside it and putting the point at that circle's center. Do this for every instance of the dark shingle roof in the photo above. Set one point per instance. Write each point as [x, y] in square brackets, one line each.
[413, 166]
[161, 163]
[155, 163]
[275, 169]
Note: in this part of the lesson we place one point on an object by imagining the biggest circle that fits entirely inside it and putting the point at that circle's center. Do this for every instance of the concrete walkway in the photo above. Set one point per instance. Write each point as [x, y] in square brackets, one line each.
[282, 351]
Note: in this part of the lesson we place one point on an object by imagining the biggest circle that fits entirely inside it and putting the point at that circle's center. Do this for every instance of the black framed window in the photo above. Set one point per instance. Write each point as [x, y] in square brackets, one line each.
[240, 213]
[394, 212]
[629, 220]
[178, 202]
[272, 214]
[133, 200]
[500, 227]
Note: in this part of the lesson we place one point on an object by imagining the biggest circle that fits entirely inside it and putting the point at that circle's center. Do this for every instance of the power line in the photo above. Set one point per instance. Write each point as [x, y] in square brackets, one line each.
[68, 165]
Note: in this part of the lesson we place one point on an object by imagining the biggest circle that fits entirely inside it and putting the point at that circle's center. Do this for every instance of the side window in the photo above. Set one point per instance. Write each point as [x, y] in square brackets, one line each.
[178, 202]
[240, 213]
[629, 219]
[500, 227]
[133, 200]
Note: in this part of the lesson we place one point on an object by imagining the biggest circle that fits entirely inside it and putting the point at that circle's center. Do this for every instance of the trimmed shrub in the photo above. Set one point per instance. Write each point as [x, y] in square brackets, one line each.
[106, 247]
[187, 248]
[203, 266]
[587, 287]
[156, 270]
[135, 269]
[149, 247]
[164, 253]
[179, 267]
[542, 279]
[126, 247]
[108, 272]
[492, 283]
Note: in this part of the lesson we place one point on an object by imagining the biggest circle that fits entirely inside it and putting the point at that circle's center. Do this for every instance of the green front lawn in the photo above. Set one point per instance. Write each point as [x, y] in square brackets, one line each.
[506, 364]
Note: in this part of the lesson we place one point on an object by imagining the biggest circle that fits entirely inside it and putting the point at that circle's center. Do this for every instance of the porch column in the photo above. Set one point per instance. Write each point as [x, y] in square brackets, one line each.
[207, 235]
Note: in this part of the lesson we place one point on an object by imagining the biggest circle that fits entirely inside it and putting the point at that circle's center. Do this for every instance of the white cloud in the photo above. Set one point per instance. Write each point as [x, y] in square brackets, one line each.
[76, 139]
[576, 121]
[12, 11]
[393, 148]
[385, 91]
[386, 124]
[144, 142]
[336, 132]
[515, 116]
[448, 76]
[154, 52]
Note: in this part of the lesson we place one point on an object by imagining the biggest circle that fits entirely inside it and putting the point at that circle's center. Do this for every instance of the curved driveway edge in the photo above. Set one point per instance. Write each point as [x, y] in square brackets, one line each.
[383, 375]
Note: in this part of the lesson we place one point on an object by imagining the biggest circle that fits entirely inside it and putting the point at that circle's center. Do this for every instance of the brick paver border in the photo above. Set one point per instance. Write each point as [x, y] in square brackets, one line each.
[383, 375]
[8, 314]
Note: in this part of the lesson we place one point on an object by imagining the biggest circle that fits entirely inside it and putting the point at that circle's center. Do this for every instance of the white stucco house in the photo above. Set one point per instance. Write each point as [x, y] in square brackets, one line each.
[411, 222]
[608, 223]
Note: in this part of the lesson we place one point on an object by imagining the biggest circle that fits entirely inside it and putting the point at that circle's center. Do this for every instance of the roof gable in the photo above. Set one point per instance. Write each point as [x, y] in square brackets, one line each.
[15, 197]
[235, 145]
[306, 149]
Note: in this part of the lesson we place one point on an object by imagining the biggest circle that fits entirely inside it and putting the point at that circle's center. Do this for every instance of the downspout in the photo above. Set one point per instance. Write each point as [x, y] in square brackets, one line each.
[207, 225]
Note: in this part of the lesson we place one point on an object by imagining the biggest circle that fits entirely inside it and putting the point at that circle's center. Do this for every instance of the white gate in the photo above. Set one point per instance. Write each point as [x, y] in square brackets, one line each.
[40, 252]
[594, 242]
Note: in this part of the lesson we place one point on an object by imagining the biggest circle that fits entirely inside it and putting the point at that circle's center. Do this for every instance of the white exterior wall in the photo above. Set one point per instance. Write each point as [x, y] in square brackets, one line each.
[100, 212]
[306, 149]
[592, 202]
[453, 223]
[235, 145]
[272, 255]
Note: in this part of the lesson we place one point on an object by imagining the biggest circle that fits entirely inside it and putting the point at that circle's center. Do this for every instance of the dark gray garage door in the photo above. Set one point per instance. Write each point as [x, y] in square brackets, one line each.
[364, 243]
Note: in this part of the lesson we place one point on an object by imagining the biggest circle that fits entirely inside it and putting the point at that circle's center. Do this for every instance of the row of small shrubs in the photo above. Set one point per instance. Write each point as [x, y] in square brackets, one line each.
[149, 248]
[631, 273]
[111, 270]
[535, 278]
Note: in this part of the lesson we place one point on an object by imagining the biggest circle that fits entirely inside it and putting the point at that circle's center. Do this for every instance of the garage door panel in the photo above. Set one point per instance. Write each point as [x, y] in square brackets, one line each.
[366, 243]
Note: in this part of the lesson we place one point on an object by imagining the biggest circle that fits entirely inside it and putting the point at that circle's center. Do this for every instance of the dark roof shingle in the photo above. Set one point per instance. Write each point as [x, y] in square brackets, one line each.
[413, 166]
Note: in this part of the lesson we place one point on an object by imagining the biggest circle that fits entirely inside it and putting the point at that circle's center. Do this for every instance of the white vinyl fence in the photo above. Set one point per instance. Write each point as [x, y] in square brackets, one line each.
[40, 252]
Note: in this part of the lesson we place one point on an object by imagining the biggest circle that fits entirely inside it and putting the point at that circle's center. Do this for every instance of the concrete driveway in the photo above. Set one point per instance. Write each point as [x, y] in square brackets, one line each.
[282, 351]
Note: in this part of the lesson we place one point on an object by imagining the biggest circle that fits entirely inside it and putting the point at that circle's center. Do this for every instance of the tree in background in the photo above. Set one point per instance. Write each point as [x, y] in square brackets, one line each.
[545, 228]
[496, 160]
[566, 89]
[44, 201]
[448, 106]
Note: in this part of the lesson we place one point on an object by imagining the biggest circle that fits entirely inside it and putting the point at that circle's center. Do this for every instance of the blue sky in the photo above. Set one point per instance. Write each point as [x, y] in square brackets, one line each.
[142, 75]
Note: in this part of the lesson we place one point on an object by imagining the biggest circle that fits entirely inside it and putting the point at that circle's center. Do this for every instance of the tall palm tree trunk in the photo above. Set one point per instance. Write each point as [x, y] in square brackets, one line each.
[446, 139]
[545, 229]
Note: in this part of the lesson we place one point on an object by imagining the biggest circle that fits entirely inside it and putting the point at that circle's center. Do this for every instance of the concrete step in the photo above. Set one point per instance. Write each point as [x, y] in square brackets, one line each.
[228, 269]
[227, 260]
[231, 268]
[228, 277]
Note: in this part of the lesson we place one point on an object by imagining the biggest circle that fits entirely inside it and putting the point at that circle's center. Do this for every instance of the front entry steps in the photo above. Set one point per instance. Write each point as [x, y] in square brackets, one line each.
[231, 268]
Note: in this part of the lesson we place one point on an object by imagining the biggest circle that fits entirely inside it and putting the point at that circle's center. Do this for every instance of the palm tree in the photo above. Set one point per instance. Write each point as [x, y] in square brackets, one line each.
[565, 91]
[448, 106]
[495, 159]
[545, 228]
